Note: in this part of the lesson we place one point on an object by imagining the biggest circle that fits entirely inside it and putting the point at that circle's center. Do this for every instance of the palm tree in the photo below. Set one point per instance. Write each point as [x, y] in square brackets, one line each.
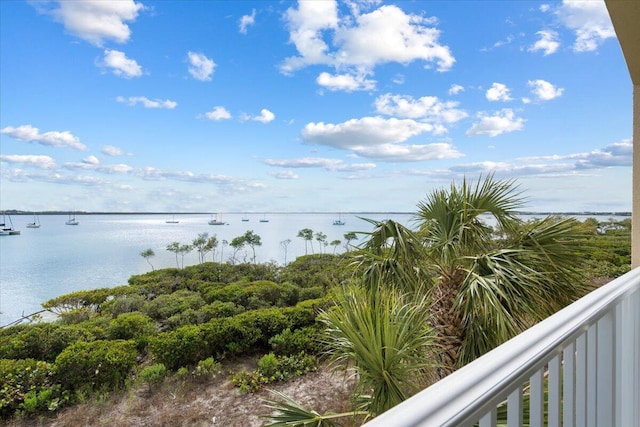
[307, 235]
[483, 289]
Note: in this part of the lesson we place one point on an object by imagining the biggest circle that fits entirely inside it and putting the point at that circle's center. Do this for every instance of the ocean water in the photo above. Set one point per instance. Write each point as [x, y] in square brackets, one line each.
[104, 250]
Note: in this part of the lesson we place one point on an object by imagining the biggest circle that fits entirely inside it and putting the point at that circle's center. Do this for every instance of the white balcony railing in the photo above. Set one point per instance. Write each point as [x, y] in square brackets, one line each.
[579, 367]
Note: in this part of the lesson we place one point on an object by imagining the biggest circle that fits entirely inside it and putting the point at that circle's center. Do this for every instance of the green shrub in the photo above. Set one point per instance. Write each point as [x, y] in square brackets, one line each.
[165, 306]
[22, 379]
[123, 304]
[311, 293]
[182, 347]
[219, 309]
[153, 375]
[96, 366]
[229, 335]
[269, 322]
[272, 368]
[43, 341]
[206, 370]
[293, 342]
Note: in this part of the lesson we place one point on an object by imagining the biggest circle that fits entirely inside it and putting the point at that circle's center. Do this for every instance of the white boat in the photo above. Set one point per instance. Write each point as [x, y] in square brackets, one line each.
[339, 221]
[72, 220]
[217, 221]
[172, 221]
[264, 219]
[7, 230]
[35, 223]
[245, 219]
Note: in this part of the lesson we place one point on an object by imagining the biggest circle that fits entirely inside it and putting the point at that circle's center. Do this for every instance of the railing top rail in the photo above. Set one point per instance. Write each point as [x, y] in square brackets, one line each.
[473, 389]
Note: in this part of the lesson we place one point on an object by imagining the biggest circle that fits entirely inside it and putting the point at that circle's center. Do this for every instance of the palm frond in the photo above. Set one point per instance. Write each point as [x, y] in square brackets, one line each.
[386, 336]
[289, 413]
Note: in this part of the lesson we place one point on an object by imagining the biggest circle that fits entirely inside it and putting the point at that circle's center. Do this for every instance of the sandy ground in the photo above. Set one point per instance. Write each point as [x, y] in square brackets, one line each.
[215, 404]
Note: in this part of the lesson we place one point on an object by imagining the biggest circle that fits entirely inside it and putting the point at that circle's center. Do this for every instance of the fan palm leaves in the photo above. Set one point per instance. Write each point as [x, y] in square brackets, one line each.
[386, 337]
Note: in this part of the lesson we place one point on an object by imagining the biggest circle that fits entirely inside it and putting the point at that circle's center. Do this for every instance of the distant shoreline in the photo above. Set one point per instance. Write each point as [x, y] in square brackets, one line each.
[19, 212]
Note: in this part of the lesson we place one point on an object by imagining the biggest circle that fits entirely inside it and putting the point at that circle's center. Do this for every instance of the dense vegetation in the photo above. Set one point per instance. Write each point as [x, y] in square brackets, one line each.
[183, 321]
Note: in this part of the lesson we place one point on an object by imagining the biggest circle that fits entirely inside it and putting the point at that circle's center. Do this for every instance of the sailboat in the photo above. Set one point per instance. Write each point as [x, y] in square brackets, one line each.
[35, 223]
[217, 221]
[339, 221]
[72, 220]
[7, 230]
[264, 219]
[245, 219]
[172, 221]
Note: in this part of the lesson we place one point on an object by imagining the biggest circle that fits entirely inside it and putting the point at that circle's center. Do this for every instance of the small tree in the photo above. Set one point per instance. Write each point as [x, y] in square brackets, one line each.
[253, 240]
[184, 249]
[335, 244]
[307, 235]
[200, 244]
[175, 248]
[211, 246]
[237, 243]
[322, 239]
[285, 244]
[146, 254]
[349, 237]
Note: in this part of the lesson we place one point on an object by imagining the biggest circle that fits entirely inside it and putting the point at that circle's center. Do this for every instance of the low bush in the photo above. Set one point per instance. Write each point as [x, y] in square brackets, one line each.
[95, 366]
[27, 380]
[272, 368]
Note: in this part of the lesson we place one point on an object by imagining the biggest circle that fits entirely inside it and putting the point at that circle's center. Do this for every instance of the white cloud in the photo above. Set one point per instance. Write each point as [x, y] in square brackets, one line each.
[547, 42]
[265, 116]
[42, 162]
[498, 92]
[201, 68]
[379, 138]
[148, 103]
[284, 175]
[94, 164]
[320, 162]
[543, 90]
[218, 113]
[502, 122]
[362, 41]
[246, 21]
[455, 89]
[110, 150]
[427, 108]
[545, 8]
[29, 133]
[590, 22]
[95, 21]
[345, 82]
[91, 160]
[120, 65]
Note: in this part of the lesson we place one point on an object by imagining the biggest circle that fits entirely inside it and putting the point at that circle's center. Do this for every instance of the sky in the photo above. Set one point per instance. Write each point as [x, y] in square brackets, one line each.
[309, 106]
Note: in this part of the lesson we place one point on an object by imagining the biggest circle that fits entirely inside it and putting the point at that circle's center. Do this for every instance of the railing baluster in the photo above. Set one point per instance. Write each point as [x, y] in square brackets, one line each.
[605, 365]
[536, 399]
[581, 381]
[514, 408]
[568, 385]
[592, 378]
[490, 419]
[553, 387]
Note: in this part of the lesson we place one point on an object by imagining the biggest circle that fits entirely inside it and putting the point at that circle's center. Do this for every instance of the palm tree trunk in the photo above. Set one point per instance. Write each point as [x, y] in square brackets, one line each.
[447, 322]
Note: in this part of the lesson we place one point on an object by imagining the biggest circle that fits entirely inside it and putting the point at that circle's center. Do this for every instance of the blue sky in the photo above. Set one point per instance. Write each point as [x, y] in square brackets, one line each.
[240, 106]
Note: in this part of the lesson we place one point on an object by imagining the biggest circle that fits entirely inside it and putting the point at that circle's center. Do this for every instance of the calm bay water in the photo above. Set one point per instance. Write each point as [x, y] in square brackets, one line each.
[104, 250]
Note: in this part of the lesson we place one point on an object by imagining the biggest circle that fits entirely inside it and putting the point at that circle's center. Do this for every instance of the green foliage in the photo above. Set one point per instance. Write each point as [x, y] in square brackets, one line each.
[42, 341]
[272, 368]
[269, 322]
[153, 375]
[76, 300]
[293, 342]
[96, 366]
[206, 370]
[165, 306]
[386, 337]
[26, 380]
[324, 270]
[125, 303]
[184, 346]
